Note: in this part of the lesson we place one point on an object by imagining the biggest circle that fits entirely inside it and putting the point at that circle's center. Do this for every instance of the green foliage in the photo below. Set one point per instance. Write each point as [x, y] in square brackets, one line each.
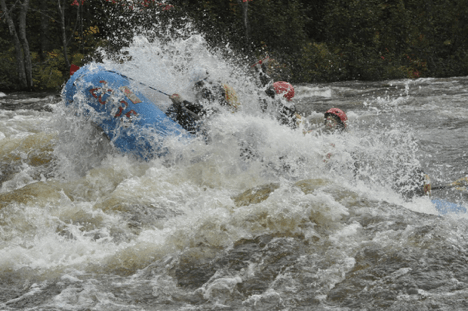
[310, 41]
[317, 63]
[279, 24]
[52, 73]
[397, 38]
[8, 74]
[47, 75]
[87, 41]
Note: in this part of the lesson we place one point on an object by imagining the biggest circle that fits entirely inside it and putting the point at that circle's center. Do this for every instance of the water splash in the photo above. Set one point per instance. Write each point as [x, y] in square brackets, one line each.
[260, 217]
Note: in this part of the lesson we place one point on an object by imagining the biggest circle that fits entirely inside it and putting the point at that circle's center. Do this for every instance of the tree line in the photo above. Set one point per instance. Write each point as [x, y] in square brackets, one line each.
[310, 41]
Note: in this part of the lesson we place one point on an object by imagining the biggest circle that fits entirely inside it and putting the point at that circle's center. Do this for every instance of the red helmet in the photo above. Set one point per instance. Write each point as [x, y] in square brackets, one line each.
[340, 114]
[284, 88]
[73, 69]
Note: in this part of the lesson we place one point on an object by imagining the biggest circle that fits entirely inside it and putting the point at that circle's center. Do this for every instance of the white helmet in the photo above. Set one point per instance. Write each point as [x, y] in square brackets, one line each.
[198, 74]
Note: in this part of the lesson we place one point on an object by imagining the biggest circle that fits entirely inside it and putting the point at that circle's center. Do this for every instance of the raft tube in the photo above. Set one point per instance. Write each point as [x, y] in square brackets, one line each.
[132, 123]
[446, 207]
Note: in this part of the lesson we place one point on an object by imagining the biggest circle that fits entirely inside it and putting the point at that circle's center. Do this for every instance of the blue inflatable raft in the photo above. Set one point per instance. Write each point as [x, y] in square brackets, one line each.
[132, 122]
[446, 207]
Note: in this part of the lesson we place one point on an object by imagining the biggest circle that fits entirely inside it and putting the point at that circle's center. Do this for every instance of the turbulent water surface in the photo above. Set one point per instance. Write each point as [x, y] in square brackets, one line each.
[84, 227]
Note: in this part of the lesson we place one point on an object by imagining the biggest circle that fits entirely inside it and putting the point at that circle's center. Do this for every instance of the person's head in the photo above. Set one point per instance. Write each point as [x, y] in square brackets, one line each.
[198, 75]
[285, 89]
[335, 119]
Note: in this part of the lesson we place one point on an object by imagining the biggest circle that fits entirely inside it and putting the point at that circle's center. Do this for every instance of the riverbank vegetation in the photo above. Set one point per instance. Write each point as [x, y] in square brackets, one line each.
[310, 41]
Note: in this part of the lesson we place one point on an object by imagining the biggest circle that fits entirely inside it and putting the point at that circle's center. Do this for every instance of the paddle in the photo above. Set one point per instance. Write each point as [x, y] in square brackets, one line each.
[461, 184]
[127, 77]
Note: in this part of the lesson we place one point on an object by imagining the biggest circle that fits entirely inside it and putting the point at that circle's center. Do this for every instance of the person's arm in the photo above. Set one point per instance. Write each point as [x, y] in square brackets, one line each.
[261, 71]
[195, 110]
[183, 106]
[185, 117]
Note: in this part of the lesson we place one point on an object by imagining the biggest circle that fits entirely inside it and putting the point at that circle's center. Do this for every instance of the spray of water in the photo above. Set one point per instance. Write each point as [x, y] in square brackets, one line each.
[254, 198]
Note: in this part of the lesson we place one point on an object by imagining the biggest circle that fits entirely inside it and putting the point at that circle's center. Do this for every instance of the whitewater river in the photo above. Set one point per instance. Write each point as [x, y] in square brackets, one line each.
[83, 227]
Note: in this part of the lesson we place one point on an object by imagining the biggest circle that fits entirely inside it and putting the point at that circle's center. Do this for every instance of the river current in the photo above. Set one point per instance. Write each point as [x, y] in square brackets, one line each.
[84, 227]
